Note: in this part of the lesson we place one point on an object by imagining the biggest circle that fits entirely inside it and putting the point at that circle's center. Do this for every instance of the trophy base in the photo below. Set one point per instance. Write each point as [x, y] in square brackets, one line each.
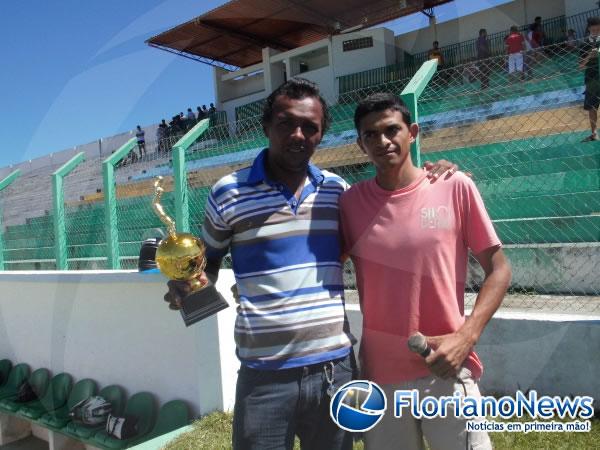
[202, 304]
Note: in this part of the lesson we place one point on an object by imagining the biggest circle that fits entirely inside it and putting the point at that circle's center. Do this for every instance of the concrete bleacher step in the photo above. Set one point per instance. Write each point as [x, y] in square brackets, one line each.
[573, 204]
[543, 184]
[87, 250]
[558, 268]
[538, 230]
[522, 126]
[555, 144]
[546, 166]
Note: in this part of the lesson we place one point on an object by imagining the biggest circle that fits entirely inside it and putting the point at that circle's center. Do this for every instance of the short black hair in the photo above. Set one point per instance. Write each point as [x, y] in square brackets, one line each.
[377, 102]
[593, 21]
[481, 31]
[296, 89]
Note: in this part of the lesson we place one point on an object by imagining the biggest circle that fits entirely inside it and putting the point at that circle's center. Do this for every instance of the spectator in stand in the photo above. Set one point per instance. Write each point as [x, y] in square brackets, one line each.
[540, 36]
[530, 42]
[141, 141]
[483, 53]
[533, 43]
[514, 46]
[161, 134]
[571, 39]
[200, 114]
[212, 108]
[191, 117]
[589, 62]
[436, 53]
[204, 111]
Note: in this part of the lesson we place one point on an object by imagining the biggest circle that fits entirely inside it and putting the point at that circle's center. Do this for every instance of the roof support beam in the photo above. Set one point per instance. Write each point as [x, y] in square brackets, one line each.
[277, 45]
[329, 22]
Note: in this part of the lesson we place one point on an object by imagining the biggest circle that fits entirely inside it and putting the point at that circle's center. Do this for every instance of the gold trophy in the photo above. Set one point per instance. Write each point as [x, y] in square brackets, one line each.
[180, 256]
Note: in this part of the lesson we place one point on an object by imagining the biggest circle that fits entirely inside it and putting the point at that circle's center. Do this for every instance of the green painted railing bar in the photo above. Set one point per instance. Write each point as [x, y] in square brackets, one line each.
[3, 184]
[9, 179]
[410, 95]
[110, 202]
[58, 196]
[182, 207]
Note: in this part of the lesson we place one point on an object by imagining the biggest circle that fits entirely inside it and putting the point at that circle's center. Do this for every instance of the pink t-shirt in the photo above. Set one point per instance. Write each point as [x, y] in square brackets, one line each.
[410, 249]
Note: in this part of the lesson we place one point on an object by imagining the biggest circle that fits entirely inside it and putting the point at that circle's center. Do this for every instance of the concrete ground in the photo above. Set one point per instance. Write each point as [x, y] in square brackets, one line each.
[29, 443]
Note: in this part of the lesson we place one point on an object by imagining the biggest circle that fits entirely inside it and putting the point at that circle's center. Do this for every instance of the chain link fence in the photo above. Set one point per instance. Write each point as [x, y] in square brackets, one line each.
[516, 123]
[136, 220]
[27, 222]
[518, 133]
[84, 217]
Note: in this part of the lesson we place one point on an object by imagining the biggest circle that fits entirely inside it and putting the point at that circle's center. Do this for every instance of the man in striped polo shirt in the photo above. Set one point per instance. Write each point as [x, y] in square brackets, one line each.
[279, 220]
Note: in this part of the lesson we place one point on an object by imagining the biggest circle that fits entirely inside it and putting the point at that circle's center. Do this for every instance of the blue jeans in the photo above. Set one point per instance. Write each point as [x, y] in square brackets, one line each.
[272, 406]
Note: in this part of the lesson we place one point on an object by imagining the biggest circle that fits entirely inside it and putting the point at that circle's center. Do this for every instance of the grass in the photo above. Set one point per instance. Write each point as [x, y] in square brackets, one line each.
[214, 432]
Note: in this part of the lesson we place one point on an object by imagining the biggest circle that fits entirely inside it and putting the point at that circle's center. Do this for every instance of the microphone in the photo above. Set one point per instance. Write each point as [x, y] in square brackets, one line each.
[417, 343]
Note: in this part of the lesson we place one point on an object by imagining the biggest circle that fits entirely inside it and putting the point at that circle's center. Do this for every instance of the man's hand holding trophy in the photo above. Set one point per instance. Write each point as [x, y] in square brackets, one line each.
[181, 257]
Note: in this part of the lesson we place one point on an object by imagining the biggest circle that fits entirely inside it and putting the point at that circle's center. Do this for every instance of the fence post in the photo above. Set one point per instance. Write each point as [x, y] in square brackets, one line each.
[182, 208]
[3, 184]
[410, 95]
[110, 202]
[58, 196]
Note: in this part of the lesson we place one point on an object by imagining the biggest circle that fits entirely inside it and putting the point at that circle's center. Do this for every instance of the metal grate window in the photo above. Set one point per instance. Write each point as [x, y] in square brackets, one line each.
[356, 44]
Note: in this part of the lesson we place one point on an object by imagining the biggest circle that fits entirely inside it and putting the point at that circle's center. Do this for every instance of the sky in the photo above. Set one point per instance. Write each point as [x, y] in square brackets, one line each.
[74, 71]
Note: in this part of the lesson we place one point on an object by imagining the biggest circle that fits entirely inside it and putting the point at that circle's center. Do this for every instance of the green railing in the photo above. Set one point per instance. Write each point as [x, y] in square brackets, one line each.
[410, 96]
[4, 184]
[60, 230]
[249, 110]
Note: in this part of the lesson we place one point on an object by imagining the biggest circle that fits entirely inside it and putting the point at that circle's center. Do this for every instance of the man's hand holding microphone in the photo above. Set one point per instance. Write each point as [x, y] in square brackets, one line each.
[443, 354]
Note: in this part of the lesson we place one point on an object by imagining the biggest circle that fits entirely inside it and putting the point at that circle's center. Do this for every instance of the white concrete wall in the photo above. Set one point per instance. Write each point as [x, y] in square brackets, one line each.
[332, 64]
[573, 7]
[555, 354]
[324, 79]
[381, 54]
[243, 87]
[497, 19]
[115, 327]
[229, 106]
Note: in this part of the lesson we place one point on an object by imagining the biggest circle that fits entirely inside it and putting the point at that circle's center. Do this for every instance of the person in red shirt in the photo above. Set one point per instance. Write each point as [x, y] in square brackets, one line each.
[409, 240]
[515, 43]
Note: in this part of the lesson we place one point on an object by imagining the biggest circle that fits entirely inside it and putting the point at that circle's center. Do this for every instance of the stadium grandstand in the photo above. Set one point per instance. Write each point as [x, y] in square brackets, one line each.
[520, 137]
[520, 140]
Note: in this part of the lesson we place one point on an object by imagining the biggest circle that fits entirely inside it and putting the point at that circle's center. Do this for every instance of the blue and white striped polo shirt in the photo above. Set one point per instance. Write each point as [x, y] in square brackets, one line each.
[286, 260]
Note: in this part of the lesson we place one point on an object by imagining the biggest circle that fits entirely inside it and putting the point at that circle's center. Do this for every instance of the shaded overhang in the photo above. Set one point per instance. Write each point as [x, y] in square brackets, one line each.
[234, 34]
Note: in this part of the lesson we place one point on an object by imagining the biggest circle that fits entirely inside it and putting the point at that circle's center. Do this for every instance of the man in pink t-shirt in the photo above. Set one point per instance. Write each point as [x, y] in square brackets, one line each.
[409, 239]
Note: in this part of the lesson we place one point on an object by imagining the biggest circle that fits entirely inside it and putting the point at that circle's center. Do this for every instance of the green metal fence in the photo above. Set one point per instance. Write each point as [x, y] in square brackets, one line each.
[519, 134]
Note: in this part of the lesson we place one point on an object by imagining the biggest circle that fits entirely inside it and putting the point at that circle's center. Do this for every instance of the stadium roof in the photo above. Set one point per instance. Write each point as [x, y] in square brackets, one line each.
[234, 34]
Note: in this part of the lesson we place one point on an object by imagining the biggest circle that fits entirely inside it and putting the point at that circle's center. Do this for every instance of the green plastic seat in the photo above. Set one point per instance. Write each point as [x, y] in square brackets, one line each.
[115, 396]
[56, 396]
[171, 416]
[59, 418]
[39, 382]
[143, 407]
[5, 366]
[17, 375]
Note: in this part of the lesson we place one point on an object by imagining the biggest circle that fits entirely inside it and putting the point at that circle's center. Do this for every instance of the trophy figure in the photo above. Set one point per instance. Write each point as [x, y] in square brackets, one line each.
[181, 257]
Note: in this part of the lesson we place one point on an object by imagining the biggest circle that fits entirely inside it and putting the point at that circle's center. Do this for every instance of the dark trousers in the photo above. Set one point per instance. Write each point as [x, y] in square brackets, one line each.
[272, 406]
